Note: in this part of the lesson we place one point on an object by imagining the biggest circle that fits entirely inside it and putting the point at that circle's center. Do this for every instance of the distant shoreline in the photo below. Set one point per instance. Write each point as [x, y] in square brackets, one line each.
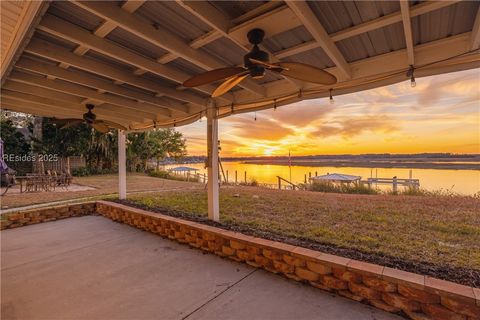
[403, 164]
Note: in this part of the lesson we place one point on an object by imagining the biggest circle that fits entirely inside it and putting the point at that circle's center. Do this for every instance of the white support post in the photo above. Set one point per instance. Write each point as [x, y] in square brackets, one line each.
[212, 162]
[122, 166]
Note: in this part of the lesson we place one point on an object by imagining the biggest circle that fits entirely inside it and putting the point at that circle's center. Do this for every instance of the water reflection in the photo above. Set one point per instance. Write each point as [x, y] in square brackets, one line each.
[459, 181]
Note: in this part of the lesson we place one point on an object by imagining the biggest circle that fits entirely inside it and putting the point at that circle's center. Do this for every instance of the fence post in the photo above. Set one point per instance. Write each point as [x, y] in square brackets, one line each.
[309, 175]
[395, 185]
[279, 183]
[227, 177]
[204, 178]
[236, 181]
[245, 177]
[305, 178]
[316, 174]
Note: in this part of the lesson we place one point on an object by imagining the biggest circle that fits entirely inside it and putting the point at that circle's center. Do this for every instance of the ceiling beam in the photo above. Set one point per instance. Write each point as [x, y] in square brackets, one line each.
[258, 11]
[108, 26]
[374, 24]
[475, 37]
[196, 43]
[71, 32]
[407, 29]
[97, 83]
[84, 92]
[160, 37]
[47, 93]
[101, 110]
[302, 47]
[14, 105]
[57, 53]
[273, 22]
[389, 19]
[311, 23]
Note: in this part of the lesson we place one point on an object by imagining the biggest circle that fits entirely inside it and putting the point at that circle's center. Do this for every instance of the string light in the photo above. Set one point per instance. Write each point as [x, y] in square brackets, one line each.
[255, 115]
[274, 104]
[174, 123]
[331, 97]
[410, 73]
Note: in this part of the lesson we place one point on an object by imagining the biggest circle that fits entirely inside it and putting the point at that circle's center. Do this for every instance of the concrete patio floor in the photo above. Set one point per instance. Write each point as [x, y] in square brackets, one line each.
[93, 268]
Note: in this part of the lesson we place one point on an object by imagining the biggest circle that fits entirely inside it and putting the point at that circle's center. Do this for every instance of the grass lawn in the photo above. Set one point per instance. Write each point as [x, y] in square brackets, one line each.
[103, 185]
[439, 236]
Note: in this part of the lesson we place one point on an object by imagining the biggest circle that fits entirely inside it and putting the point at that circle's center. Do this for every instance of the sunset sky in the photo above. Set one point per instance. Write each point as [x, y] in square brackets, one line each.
[441, 114]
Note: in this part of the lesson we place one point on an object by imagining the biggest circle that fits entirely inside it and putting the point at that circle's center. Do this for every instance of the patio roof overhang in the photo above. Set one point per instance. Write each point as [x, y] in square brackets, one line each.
[129, 58]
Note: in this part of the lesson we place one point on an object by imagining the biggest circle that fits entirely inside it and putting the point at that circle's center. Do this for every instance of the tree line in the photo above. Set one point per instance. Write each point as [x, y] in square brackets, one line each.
[99, 150]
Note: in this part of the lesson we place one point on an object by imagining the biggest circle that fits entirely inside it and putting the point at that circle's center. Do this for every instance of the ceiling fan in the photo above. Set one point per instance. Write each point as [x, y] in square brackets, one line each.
[256, 63]
[89, 118]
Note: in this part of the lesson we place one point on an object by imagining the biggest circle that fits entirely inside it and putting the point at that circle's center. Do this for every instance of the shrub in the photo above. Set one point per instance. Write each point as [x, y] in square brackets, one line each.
[252, 183]
[167, 175]
[411, 191]
[90, 171]
[341, 188]
[159, 174]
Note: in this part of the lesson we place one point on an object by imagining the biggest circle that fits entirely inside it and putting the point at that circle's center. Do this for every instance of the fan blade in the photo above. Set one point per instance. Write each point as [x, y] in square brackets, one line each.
[66, 123]
[229, 84]
[212, 76]
[71, 123]
[114, 125]
[305, 72]
[267, 65]
[62, 121]
[100, 126]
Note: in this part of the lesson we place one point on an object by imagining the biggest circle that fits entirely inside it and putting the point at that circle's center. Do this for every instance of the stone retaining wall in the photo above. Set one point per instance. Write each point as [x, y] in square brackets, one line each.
[418, 297]
[27, 217]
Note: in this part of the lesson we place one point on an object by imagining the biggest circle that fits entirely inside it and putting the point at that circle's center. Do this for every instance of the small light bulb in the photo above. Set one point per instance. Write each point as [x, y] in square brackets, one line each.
[331, 97]
[410, 73]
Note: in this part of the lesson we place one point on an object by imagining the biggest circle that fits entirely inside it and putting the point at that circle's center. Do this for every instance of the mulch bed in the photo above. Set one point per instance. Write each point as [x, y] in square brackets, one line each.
[465, 276]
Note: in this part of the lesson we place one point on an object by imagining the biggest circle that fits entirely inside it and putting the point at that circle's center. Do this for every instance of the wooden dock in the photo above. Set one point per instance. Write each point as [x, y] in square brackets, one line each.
[395, 182]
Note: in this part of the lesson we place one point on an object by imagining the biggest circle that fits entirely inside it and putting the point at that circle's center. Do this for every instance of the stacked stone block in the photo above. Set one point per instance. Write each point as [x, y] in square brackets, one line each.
[28, 217]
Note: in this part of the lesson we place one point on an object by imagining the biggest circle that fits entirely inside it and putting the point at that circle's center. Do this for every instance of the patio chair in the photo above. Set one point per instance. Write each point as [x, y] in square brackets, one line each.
[8, 181]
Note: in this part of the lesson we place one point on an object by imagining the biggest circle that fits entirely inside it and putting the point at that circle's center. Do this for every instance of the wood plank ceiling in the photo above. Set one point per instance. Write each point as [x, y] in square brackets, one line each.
[129, 58]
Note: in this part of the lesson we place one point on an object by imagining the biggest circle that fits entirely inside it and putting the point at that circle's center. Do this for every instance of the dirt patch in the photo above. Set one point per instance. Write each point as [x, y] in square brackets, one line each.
[465, 276]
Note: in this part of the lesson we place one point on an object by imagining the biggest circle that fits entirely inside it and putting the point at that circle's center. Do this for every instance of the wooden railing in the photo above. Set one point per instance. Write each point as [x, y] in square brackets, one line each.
[293, 185]
[395, 182]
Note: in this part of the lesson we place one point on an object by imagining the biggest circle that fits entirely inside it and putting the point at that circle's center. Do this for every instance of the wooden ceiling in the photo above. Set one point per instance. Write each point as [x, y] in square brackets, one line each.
[129, 58]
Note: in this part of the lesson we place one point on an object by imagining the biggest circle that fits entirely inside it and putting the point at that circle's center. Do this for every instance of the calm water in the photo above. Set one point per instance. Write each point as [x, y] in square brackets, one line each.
[460, 181]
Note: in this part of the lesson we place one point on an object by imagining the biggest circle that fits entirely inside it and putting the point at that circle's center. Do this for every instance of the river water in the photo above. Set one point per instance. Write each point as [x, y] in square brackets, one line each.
[459, 181]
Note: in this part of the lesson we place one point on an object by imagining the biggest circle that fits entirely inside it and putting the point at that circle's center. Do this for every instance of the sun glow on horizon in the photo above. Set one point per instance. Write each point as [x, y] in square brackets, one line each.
[441, 114]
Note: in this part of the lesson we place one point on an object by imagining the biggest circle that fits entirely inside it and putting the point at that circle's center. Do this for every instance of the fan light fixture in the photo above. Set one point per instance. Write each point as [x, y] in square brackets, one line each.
[90, 119]
[256, 64]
